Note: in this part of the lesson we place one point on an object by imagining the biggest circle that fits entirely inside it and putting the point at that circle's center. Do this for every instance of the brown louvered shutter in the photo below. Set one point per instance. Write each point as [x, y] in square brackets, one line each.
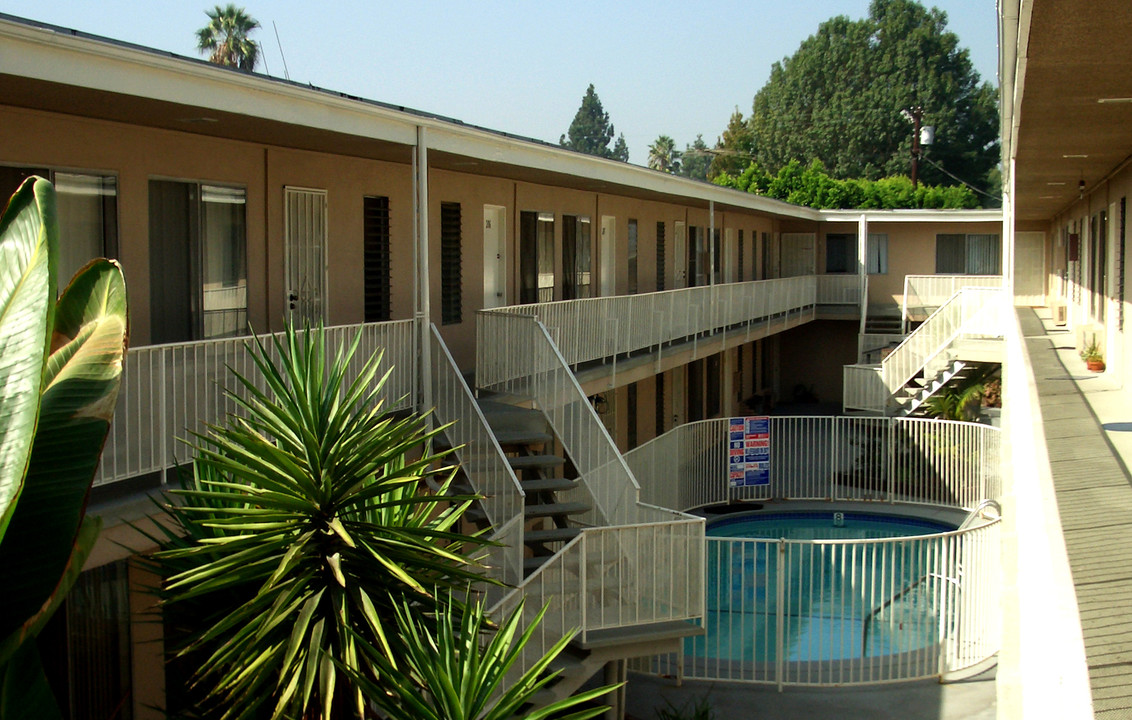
[450, 260]
[660, 255]
[375, 260]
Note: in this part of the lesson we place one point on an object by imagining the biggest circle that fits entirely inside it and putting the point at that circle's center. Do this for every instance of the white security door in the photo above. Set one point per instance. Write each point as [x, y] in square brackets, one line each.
[680, 257]
[494, 256]
[1029, 268]
[797, 254]
[607, 255]
[304, 243]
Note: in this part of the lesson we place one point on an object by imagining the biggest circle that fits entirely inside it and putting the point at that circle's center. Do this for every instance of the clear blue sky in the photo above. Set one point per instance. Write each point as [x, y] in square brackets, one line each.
[522, 66]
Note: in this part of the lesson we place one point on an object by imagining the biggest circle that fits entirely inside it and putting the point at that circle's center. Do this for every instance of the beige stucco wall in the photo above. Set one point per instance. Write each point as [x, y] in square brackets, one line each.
[812, 356]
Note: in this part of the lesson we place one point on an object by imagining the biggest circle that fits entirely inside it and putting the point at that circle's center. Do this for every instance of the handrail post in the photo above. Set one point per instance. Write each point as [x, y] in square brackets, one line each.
[779, 615]
[583, 592]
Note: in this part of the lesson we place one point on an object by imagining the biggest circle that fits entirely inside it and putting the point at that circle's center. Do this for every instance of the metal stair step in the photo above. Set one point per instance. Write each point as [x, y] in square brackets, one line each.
[531, 564]
[553, 509]
[552, 535]
[530, 462]
[522, 437]
[547, 484]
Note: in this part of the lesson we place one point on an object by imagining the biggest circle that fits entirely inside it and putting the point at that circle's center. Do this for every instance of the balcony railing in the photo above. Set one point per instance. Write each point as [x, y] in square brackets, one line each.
[171, 391]
[599, 328]
[923, 294]
[839, 290]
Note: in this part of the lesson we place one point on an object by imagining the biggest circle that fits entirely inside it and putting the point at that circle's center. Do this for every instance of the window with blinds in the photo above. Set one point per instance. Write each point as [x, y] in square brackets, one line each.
[740, 276]
[660, 253]
[967, 254]
[376, 263]
[451, 284]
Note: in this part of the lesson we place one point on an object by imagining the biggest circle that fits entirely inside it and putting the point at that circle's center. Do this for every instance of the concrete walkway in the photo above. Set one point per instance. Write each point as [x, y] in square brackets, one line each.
[1087, 421]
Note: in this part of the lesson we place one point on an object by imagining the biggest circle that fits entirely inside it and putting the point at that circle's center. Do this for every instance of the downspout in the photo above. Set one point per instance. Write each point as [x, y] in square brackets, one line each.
[421, 270]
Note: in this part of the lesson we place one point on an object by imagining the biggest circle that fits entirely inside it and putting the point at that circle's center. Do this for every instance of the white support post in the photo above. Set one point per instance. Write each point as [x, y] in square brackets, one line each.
[421, 274]
[711, 242]
[863, 266]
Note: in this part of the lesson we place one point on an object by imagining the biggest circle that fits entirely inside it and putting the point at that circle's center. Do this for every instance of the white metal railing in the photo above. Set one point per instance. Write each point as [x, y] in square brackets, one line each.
[614, 577]
[924, 293]
[481, 459]
[170, 391]
[970, 313]
[839, 290]
[831, 612]
[863, 388]
[912, 460]
[599, 328]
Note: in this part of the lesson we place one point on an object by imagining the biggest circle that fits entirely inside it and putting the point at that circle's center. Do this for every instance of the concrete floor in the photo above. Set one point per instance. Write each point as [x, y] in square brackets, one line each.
[972, 699]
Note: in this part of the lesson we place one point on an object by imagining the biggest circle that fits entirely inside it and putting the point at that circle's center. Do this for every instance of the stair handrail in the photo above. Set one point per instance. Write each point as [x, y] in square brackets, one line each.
[478, 450]
[976, 513]
[902, 364]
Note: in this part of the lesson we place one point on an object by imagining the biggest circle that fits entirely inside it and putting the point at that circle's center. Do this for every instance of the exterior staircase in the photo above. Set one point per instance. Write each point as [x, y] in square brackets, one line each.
[911, 401]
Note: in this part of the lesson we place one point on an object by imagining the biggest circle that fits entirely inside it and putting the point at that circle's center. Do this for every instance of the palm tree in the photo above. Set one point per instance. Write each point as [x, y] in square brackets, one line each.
[664, 156]
[303, 526]
[226, 38]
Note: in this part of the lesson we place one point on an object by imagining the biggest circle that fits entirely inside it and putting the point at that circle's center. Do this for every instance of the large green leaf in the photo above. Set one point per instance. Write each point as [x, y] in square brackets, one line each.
[24, 692]
[28, 235]
[81, 389]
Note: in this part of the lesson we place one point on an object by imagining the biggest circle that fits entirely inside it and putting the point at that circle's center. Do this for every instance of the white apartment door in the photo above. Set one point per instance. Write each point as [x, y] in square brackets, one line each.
[304, 249]
[797, 254]
[607, 252]
[680, 257]
[494, 256]
[1029, 268]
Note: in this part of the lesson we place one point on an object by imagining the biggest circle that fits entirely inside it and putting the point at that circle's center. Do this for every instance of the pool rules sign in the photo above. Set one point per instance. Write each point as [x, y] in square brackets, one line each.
[748, 457]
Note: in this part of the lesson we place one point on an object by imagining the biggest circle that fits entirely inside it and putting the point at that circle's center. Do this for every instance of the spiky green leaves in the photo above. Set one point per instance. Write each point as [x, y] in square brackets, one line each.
[455, 669]
[304, 520]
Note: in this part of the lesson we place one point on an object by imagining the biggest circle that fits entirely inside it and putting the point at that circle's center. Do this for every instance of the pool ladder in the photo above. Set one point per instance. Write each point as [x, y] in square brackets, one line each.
[978, 512]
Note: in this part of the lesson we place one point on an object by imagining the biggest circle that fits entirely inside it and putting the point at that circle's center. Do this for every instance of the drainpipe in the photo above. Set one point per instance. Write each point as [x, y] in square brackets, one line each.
[863, 266]
[711, 242]
[420, 266]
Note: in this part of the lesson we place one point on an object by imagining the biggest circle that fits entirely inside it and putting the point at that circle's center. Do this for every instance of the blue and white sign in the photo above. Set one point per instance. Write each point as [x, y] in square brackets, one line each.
[748, 442]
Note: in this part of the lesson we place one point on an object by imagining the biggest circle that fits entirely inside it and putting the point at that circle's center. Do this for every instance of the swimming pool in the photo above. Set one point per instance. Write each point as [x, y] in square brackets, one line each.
[837, 586]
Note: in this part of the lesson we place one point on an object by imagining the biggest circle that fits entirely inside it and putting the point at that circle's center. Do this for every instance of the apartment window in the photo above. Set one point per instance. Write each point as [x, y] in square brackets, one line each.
[87, 211]
[536, 256]
[632, 258]
[202, 229]
[742, 275]
[877, 252]
[85, 648]
[717, 259]
[450, 281]
[376, 266]
[840, 253]
[577, 253]
[660, 253]
[967, 254]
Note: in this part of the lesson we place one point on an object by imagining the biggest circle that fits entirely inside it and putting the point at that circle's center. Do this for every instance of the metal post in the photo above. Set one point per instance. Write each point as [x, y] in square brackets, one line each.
[779, 613]
[711, 242]
[917, 115]
[423, 314]
[863, 266]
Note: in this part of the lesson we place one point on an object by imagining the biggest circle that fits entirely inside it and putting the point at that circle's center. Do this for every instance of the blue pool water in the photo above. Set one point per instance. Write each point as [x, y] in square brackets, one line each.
[839, 600]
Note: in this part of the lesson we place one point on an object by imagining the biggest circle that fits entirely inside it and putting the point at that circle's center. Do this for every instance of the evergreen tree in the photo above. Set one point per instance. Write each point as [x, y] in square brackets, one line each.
[696, 159]
[839, 99]
[591, 131]
[735, 149]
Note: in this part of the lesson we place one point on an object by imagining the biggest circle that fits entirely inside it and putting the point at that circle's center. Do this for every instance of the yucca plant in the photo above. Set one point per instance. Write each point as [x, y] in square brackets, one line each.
[454, 669]
[60, 370]
[301, 525]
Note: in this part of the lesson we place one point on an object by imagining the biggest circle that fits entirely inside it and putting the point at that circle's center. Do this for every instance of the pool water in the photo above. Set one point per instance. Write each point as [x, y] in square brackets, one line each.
[840, 600]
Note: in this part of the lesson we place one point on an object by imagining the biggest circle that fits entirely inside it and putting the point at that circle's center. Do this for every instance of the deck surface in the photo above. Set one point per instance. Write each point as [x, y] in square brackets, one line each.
[1094, 499]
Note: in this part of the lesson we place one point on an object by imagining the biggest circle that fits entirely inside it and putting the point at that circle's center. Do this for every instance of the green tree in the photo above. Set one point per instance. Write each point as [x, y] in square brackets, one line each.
[303, 525]
[227, 37]
[839, 98]
[591, 132]
[59, 377]
[695, 160]
[735, 149]
[663, 155]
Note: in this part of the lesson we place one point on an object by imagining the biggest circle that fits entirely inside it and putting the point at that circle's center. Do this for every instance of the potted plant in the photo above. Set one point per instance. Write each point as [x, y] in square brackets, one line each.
[1093, 357]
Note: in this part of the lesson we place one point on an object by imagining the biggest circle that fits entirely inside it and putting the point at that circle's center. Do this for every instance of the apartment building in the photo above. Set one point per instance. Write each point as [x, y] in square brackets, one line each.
[234, 201]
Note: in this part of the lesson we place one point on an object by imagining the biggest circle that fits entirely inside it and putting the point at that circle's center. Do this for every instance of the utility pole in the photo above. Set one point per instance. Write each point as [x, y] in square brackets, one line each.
[917, 114]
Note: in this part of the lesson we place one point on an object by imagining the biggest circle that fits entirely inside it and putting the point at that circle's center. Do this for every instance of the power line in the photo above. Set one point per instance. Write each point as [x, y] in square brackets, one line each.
[949, 174]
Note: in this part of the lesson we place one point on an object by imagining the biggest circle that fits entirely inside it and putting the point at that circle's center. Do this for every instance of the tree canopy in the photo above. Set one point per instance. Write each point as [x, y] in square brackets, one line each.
[227, 37]
[591, 131]
[695, 160]
[839, 98]
[663, 155]
[812, 186]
